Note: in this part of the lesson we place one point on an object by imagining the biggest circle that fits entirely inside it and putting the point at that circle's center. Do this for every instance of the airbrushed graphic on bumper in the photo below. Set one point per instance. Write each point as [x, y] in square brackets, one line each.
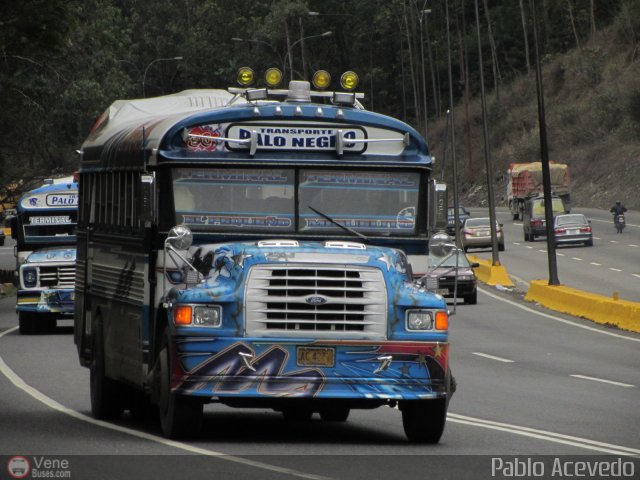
[45, 301]
[271, 369]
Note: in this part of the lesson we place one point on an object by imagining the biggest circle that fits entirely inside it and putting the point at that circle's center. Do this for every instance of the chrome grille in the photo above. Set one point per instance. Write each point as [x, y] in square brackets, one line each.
[304, 300]
[57, 276]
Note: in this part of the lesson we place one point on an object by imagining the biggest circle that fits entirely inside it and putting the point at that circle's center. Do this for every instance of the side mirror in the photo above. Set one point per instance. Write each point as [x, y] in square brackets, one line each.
[475, 265]
[180, 237]
[441, 245]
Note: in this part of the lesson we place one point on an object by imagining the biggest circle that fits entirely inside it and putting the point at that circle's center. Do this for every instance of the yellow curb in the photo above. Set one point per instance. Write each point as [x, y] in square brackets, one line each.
[598, 308]
[491, 274]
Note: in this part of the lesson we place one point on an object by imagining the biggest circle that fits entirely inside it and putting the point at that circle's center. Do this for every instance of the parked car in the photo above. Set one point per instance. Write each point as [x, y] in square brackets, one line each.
[572, 228]
[533, 218]
[467, 281]
[2, 237]
[476, 233]
[463, 214]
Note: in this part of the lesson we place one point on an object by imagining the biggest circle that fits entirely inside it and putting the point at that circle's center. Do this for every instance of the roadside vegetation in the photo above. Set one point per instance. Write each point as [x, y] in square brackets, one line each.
[64, 61]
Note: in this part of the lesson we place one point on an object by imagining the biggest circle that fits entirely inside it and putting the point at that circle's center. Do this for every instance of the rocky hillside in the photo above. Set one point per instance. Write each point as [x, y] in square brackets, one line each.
[592, 110]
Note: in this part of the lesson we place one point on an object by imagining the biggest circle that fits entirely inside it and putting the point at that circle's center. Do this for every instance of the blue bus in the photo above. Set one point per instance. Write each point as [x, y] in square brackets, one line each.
[259, 247]
[44, 231]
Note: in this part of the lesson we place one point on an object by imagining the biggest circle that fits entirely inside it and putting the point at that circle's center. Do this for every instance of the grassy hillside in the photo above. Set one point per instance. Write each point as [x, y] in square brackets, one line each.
[592, 106]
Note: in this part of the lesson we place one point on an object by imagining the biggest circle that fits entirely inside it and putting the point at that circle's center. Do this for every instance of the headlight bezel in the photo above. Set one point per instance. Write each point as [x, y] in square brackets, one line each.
[438, 320]
[30, 271]
[193, 315]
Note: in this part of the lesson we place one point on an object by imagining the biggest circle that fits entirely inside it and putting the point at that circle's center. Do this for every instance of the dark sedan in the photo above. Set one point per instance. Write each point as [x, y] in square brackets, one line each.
[463, 214]
[572, 228]
[461, 279]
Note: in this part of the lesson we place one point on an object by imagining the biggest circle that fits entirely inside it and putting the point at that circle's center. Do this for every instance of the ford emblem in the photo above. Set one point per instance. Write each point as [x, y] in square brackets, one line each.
[315, 300]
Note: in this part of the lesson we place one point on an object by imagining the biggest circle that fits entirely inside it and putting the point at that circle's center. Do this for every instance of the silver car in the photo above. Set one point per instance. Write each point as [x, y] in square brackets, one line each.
[572, 228]
[476, 233]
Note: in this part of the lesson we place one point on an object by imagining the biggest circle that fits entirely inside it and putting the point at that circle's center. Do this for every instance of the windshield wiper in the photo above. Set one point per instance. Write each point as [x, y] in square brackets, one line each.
[343, 227]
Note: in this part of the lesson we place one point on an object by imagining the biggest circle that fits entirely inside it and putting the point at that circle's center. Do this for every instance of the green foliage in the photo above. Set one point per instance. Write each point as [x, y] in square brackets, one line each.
[65, 61]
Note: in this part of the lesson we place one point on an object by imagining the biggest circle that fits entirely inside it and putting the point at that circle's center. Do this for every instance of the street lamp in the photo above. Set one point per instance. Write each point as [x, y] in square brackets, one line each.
[424, 88]
[288, 54]
[144, 77]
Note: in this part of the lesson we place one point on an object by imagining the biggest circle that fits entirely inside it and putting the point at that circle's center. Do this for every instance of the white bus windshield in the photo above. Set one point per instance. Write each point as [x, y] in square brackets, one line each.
[227, 200]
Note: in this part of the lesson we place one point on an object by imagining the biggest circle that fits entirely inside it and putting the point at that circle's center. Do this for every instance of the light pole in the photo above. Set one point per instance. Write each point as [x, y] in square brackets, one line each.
[144, 77]
[424, 87]
[288, 54]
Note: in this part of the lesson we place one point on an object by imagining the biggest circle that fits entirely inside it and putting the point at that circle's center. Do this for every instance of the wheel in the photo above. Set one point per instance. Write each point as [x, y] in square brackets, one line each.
[27, 323]
[424, 420]
[297, 414]
[107, 395]
[334, 413]
[501, 247]
[180, 415]
[471, 299]
[589, 243]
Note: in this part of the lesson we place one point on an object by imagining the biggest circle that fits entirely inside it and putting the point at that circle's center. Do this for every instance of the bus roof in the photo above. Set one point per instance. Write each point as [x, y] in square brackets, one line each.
[183, 127]
[51, 196]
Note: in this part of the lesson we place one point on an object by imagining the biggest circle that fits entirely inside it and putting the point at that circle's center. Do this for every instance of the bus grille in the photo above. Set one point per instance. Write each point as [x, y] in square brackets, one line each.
[57, 276]
[327, 301]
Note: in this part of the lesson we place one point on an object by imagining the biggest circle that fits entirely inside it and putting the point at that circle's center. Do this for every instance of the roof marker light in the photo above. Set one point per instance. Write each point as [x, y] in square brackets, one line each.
[349, 80]
[321, 79]
[273, 77]
[245, 76]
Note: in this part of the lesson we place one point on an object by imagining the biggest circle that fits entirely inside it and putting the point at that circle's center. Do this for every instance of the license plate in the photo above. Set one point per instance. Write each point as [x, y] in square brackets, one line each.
[442, 291]
[573, 232]
[316, 356]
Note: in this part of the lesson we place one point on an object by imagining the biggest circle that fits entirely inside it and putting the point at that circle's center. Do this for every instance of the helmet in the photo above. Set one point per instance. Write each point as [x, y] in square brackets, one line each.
[618, 202]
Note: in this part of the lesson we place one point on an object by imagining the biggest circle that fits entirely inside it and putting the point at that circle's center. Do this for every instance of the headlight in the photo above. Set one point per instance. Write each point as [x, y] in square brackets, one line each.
[419, 320]
[198, 315]
[465, 277]
[30, 277]
[207, 316]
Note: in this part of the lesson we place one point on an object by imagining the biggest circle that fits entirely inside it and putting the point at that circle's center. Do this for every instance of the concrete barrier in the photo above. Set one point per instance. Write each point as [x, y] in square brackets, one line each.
[598, 308]
[491, 274]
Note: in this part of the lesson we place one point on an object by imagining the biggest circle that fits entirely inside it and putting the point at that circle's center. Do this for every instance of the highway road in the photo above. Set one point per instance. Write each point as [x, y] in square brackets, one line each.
[530, 385]
[611, 265]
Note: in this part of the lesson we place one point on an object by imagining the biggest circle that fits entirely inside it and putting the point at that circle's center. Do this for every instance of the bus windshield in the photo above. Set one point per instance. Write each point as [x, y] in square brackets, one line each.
[225, 200]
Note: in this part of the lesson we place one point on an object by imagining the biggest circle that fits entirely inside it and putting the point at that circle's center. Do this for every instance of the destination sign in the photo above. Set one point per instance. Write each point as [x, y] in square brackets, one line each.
[296, 138]
[51, 220]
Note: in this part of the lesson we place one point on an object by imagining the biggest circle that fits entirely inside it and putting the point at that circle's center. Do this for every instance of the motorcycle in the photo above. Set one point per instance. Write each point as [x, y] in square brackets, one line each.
[619, 222]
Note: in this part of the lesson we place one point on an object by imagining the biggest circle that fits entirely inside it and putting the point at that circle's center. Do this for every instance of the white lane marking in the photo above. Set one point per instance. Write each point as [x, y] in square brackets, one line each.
[529, 247]
[613, 241]
[557, 319]
[544, 435]
[633, 245]
[576, 258]
[542, 251]
[610, 382]
[614, 269]
[635, 275]
[492, 357]
[596, 264]
[51, 403]
[560, 254]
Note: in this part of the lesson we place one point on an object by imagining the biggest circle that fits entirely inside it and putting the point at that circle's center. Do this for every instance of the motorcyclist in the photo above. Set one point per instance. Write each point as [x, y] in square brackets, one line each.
[618, 209]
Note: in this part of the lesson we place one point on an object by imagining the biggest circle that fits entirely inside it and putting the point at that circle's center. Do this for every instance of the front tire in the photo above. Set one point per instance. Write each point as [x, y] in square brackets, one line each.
[180, 415]
[424, 420]
[471, 299]
[27, 323]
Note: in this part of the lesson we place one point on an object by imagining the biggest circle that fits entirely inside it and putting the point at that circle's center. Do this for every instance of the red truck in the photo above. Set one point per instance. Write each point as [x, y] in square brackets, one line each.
[524, 181]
